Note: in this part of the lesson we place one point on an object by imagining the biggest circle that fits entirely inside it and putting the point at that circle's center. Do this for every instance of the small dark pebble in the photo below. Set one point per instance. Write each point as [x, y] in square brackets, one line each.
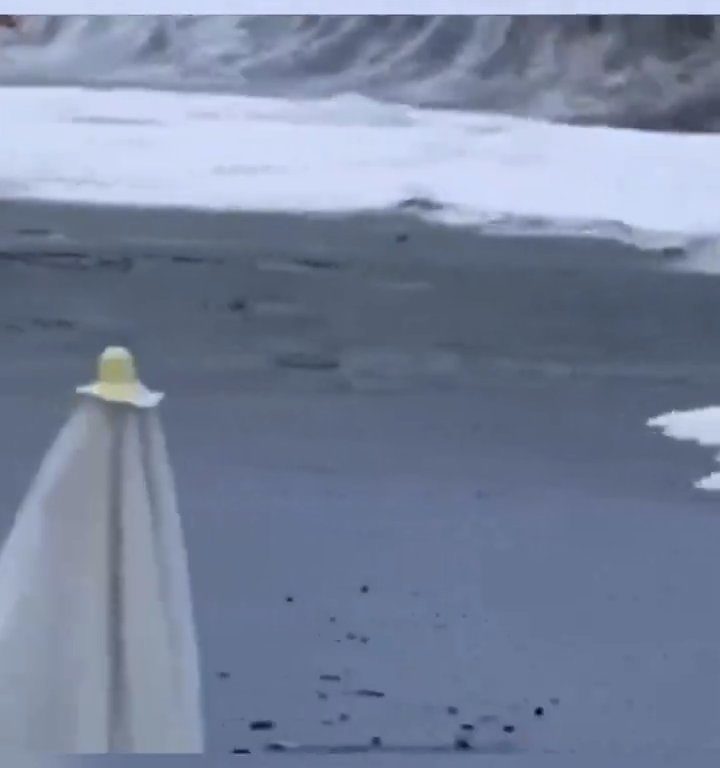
[327, 722]
[402, 238]
[555, 701]
[364, 589]
[453, 711]
[351, 636]
[539, 711]
[333, 620]
[276, 746]
[376, 741]
[364, 640]
[223, 675]
[462, 744]
[369, 693]
[237, 305]
[330, 678]
[467, 727]
[344, 718]
[240, 751]
[289, 599]
[262, 725]
[322, 695]
[509, 728]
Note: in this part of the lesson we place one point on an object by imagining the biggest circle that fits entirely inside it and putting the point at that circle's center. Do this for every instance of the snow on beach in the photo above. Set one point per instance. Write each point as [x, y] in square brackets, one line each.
[701, 426]
[349, 153]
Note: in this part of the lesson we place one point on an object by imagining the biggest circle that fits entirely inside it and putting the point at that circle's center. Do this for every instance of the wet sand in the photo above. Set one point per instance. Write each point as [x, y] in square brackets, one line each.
[454, 421]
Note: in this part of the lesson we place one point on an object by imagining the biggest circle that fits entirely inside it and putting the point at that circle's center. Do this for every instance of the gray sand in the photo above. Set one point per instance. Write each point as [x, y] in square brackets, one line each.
[455, 421]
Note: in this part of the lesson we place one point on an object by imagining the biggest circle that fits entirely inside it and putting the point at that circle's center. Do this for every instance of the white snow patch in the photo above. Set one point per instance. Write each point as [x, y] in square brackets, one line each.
[231, 152]
[701, 426]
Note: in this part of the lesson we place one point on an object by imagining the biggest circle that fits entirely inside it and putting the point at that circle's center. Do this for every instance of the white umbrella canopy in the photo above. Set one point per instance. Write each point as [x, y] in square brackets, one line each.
[98, 649]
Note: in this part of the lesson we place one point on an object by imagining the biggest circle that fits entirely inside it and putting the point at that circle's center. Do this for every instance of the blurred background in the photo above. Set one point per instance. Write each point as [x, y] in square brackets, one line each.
[659, 72]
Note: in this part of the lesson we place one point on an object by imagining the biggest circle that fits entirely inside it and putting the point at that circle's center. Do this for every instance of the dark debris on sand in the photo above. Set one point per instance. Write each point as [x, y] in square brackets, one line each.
[288, 746]
[369, 693]
[262, 725]
[237, 305]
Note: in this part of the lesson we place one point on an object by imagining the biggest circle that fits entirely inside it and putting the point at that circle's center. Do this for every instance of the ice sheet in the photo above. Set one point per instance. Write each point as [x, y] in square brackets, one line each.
[349, 153]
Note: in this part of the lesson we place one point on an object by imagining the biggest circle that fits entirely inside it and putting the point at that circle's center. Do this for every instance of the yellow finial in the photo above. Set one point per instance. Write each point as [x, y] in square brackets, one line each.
[116, 365]
[117, 381]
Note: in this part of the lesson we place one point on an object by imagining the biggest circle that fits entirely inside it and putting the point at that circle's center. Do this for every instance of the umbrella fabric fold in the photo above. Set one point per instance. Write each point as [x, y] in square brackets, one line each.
[97, 638]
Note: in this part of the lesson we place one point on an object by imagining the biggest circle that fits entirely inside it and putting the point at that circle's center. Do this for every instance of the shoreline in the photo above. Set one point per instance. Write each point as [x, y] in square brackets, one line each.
[170, 223]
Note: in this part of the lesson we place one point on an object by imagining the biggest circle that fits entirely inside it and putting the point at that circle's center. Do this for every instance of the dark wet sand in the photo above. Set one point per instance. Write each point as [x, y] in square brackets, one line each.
[454, 420]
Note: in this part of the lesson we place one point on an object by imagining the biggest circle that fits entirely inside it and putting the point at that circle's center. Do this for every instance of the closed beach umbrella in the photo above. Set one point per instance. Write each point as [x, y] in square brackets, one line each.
[97, 640]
